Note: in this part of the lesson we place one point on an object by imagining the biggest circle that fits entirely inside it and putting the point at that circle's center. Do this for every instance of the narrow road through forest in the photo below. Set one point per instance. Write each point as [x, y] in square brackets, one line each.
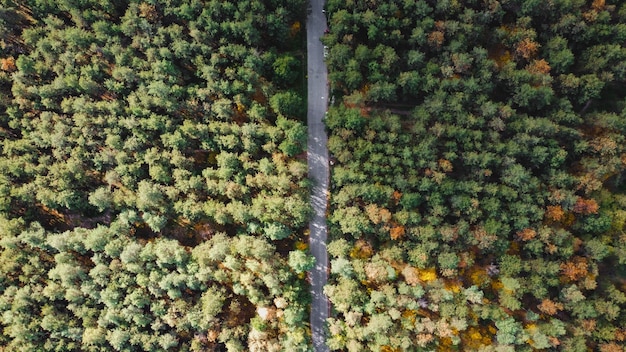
[319, 173]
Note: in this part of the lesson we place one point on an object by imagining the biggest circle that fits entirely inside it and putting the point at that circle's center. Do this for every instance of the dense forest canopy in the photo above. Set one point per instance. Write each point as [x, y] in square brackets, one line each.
[478, 193]
[152, 189]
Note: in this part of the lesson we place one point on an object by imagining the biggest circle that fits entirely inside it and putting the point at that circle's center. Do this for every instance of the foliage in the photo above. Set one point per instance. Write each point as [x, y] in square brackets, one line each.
[491, 133]
[150, 197]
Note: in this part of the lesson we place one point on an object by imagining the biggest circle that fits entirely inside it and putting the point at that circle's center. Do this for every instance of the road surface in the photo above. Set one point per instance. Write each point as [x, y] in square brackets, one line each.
[317, 155]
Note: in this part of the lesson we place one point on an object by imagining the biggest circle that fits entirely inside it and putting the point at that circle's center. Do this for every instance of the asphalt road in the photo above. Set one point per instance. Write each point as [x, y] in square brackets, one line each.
[319, 173]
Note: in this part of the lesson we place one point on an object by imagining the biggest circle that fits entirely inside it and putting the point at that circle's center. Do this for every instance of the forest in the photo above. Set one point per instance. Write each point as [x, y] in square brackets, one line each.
[153, 191]
[478, 194]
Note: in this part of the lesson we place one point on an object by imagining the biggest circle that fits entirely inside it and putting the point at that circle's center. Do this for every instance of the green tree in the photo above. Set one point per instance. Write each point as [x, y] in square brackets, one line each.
[289, 104]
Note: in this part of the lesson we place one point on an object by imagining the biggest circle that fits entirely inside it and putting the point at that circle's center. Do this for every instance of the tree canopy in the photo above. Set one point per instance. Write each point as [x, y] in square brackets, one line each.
[478, 192]
[152, 189]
